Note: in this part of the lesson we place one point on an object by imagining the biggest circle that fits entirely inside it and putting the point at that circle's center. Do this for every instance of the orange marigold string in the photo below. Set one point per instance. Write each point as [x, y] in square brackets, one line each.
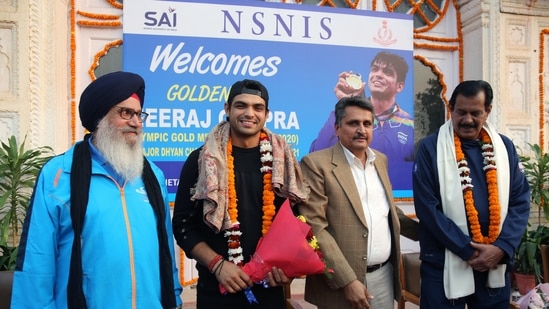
[460, 36]
[73, 70]
[101, 53]
[440, 77]
[269, 210]
[98, 16]
[115, 4]
[435, 47]
[435, 39]
[352, 5]
[233, 234]
[490, 171]
[90, 23]
[542, 86]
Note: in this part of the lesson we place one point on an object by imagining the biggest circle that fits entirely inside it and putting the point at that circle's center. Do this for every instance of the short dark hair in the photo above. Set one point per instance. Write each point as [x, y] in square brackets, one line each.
[345, 102]
[249, 86]
[393, 61]
[471, 88]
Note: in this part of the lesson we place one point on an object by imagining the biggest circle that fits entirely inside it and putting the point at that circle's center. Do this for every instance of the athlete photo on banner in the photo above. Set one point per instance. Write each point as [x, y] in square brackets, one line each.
[190, 53]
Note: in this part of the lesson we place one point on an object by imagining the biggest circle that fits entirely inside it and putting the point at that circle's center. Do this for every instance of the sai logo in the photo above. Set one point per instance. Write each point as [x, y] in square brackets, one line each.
[166, 19]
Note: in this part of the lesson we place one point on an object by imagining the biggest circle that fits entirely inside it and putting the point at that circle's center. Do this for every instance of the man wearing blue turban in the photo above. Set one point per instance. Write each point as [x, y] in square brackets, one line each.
[98, 229]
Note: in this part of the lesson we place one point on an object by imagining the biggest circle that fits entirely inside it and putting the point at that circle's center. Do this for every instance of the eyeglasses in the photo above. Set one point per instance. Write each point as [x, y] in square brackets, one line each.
[128, 113]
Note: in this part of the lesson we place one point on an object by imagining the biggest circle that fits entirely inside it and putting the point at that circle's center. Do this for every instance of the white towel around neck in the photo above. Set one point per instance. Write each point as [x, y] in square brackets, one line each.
[458, 275]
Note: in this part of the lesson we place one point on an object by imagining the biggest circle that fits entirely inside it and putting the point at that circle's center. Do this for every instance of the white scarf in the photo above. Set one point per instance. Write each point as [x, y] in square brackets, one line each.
[458, 275]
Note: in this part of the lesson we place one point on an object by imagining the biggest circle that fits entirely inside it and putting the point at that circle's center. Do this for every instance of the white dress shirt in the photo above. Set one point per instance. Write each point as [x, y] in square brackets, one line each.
[375, 206]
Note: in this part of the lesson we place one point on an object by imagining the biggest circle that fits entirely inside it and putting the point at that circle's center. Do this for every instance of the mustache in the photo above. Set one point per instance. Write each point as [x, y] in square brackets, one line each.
[130, 130]
[468, 125]
[361, 136]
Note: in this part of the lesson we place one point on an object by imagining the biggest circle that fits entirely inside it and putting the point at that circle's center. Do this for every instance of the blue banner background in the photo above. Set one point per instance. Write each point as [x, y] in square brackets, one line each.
[302, 90]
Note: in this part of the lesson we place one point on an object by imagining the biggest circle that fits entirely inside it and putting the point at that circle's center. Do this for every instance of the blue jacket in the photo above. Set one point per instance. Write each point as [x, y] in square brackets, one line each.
[119, 242]
[438, 232]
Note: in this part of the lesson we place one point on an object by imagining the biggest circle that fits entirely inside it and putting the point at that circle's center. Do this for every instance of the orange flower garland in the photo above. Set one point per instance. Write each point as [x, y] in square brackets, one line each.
[542, 86]
[99, 55]
[115, 4]
[92, 23]
[269, 209]
[97, 16]
[233, 234]
[73, 71]
[467, 187]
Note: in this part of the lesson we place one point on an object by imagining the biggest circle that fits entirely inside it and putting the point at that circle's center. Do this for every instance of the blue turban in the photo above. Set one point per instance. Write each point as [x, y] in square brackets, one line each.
[105, 92]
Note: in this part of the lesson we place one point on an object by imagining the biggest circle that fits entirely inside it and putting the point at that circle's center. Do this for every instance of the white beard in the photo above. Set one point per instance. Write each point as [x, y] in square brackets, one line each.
[126, 157]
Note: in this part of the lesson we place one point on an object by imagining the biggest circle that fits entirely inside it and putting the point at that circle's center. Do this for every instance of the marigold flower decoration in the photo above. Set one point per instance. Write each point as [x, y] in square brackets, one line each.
[490, 171]
[269, 209]
[311, 239]
[233, 234]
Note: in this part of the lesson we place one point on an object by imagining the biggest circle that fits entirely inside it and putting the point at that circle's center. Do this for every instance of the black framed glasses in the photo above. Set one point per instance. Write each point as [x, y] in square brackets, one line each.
[128, 113]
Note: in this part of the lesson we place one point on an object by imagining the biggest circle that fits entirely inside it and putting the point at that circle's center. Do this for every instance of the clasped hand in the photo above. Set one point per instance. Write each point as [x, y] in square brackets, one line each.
[485, 257]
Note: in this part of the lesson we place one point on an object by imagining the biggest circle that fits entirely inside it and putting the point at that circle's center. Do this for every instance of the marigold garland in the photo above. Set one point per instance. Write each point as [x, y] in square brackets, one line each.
[115, 4]
[541, 86]
[233, 234]
[418, 8]
[91, 23]
[100, 54]
[435, 39]
[352, 5]
[269, 210]
[460, 36]
[73, 71]
[440, 77]
[98, 16]
[436, 47]
[490, 171]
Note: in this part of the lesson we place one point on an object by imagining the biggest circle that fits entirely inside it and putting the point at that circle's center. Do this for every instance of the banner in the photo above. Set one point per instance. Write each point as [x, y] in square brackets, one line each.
[190, 53]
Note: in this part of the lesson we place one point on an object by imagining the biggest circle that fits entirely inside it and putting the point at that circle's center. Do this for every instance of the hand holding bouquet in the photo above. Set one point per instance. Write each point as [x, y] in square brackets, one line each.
[289, 245]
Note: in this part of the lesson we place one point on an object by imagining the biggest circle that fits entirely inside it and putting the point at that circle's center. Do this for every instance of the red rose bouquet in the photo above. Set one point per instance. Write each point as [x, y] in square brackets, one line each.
[289, 245]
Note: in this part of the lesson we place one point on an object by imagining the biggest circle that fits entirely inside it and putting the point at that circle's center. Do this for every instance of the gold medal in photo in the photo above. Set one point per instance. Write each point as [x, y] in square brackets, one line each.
[354, 80]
